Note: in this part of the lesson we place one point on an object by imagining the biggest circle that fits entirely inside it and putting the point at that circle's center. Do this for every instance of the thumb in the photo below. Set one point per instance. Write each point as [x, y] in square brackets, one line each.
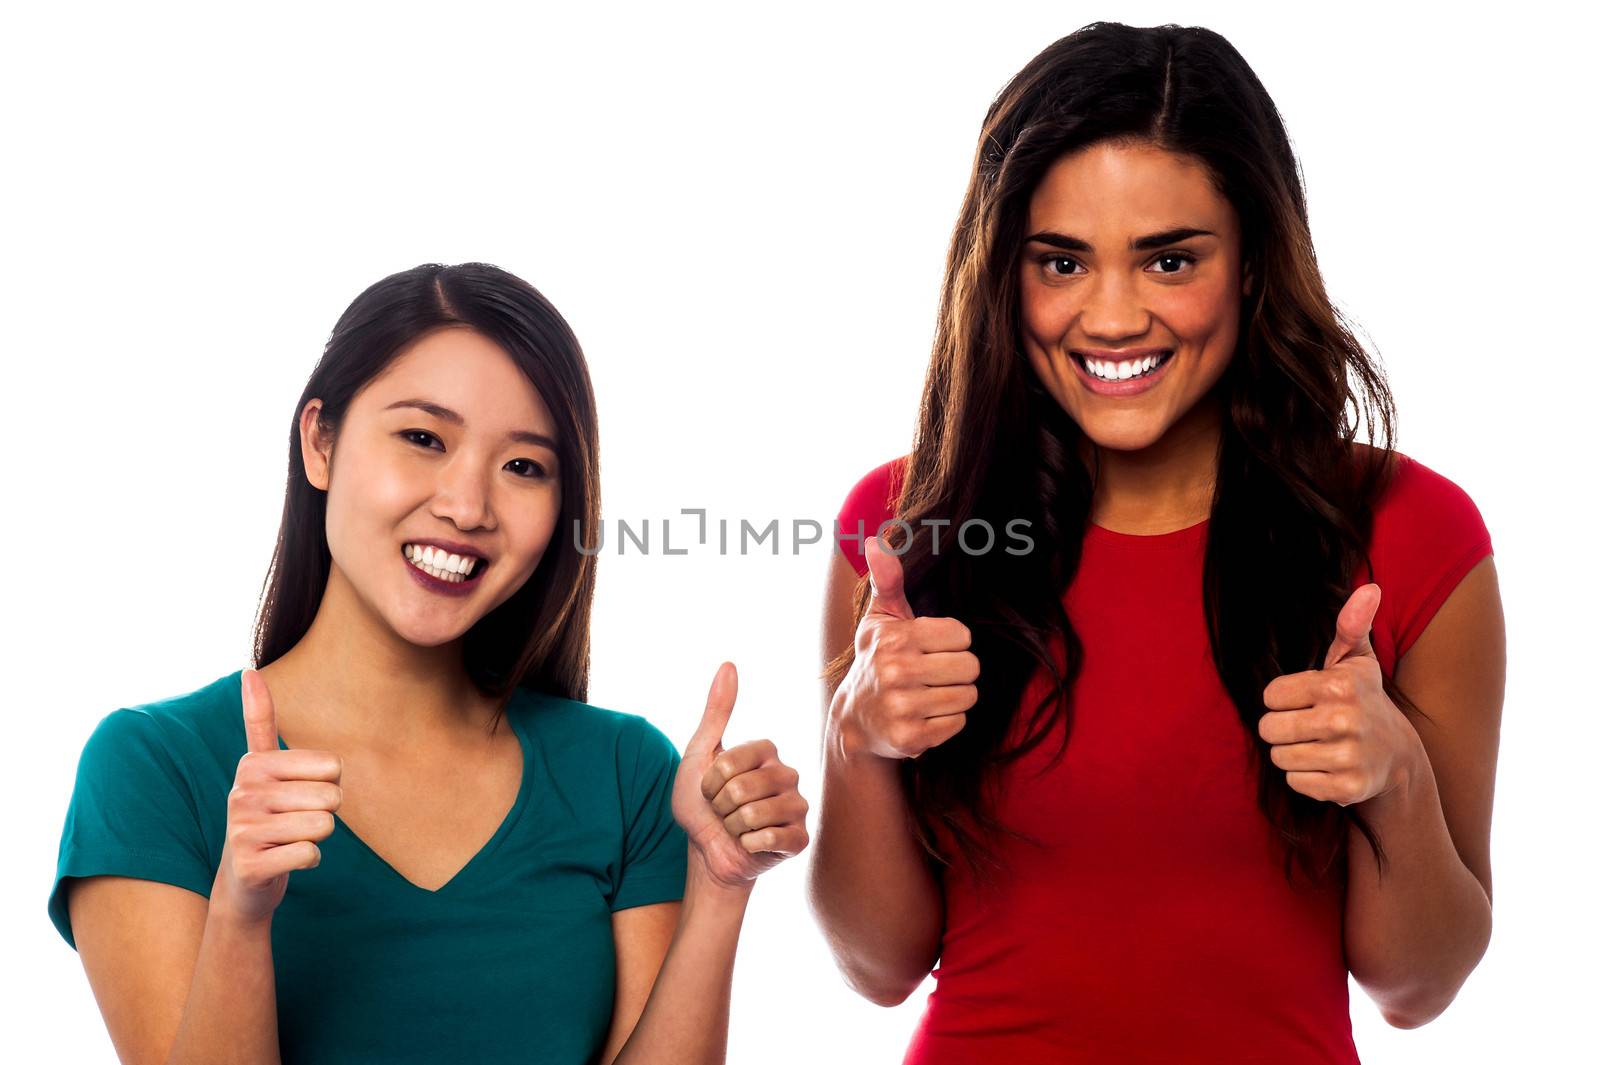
[1353, 630]
[719, 707]
[260, 719]
[888, 582]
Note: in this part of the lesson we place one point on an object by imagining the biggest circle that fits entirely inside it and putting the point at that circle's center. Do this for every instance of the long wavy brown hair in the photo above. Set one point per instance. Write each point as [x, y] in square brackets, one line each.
[1291, 514]
[539, 637]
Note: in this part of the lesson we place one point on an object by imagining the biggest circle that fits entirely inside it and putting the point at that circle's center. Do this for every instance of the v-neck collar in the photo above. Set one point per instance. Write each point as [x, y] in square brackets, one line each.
[507, 824]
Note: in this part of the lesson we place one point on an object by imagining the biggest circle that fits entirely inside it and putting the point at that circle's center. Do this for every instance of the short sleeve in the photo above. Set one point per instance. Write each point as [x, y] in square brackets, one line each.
[131, 814]
[1427, 535]
[868, 505]
[654, 848]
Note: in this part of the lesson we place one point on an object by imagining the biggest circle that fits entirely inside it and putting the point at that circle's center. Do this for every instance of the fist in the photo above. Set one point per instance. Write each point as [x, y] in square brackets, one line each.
[1334, 732]
[281, 804]
[913, 679]
[740, 806]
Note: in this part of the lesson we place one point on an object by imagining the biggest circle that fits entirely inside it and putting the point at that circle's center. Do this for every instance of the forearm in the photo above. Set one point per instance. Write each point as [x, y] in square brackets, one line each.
[685, 1020]
[871, 887]
[1412, 937]
[231, 1014]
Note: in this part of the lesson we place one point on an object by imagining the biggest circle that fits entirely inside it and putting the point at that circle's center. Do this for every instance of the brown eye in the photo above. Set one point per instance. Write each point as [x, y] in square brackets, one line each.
[1174, 257]
[535, 470]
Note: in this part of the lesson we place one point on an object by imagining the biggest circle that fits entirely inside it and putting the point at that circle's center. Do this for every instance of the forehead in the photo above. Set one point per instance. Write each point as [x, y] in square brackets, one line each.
[1110, 189]
[463, 370]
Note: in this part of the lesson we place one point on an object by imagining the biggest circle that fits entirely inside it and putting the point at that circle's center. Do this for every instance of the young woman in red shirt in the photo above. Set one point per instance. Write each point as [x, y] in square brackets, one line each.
[1168, 704]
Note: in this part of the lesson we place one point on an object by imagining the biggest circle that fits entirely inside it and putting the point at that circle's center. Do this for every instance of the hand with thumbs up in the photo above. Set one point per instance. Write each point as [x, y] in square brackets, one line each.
[281, 803]
[1334, 730]
[740, 806]
[913, 679]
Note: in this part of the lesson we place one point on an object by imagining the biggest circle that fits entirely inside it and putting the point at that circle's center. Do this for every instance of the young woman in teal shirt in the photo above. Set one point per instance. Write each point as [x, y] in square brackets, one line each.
[405, 835]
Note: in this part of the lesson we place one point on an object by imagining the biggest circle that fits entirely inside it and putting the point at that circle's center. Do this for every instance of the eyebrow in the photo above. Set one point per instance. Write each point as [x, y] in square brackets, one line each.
[447, 415]
[1146, 243]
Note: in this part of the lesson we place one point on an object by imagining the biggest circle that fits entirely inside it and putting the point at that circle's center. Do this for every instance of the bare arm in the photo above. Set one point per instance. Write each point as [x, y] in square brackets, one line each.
[173, 984]
[871, 884]
[743, 813]
[685, 1018]
[1413, 935]
[642, 935]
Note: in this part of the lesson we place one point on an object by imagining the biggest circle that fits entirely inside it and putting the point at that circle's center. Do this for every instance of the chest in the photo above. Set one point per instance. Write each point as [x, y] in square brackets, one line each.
[1157, 759]
[427, 818]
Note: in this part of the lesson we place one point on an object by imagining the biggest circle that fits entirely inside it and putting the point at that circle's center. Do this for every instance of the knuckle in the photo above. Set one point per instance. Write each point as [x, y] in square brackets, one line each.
[1339, 721]
[1339, 686]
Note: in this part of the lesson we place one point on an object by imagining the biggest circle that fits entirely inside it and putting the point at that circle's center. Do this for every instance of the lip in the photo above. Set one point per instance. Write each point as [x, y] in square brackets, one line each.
[434, 584]
[1132, 387]
[454, 547]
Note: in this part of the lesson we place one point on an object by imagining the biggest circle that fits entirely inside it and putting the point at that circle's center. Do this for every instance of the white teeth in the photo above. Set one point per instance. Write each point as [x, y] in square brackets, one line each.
[440, 564]
[1121, 371]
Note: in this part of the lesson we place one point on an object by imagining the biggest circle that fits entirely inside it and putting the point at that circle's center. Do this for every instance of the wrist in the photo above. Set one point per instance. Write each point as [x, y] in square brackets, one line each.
[700, 886]
[1410, 779]
[845, 741]
[224, 919]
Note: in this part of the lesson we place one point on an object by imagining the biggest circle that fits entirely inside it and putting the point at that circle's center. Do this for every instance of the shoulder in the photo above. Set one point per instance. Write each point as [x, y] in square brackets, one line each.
[1418, 496]
[1427, 533]
[173, 731]
[868, 504]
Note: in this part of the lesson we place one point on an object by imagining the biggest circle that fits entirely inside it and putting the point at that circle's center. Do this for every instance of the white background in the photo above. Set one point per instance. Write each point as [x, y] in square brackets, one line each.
[743, 212]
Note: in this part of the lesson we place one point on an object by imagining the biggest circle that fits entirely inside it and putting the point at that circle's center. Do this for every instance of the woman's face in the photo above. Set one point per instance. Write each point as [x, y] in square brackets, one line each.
[1130, 252]
[450, 443]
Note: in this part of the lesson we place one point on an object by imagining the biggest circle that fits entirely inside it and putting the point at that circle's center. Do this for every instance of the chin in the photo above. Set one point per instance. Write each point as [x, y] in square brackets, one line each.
[1124, 438]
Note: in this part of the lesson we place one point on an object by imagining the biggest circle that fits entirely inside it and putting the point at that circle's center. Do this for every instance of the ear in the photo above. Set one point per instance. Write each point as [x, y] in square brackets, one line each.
[1249, 279]
[316, 450]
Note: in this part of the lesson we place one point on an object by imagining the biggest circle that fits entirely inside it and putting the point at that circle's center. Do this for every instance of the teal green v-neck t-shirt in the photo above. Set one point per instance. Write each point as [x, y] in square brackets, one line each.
[512, 960]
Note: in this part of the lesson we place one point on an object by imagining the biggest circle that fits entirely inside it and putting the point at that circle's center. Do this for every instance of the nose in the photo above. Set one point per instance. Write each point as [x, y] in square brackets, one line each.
[1112, 310]
[461, 494]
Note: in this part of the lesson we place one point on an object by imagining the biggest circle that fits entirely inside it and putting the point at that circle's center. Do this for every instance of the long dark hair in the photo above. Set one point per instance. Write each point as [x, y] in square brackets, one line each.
[1291, 514]
[539, 637]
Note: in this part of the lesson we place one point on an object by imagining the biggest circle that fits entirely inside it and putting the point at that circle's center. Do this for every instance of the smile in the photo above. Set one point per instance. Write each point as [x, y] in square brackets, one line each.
[441, 566]
[1123, 378]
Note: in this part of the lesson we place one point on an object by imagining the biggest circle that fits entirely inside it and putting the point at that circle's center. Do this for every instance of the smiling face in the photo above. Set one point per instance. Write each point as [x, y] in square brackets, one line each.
[1131, 253]
[450, 443]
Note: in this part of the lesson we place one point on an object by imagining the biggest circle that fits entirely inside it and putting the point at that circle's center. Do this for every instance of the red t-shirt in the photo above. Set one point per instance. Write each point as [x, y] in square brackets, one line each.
[1156, 924]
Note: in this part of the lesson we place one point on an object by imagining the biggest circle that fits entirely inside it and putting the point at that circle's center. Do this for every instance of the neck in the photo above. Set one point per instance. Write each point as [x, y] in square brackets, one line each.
[353, 680]
[1166, 486]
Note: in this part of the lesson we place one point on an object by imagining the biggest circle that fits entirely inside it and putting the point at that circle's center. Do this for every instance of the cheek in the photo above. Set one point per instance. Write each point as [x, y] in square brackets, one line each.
[375, 498]
[1043, 312]
[541, 528]
[1205, 314]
